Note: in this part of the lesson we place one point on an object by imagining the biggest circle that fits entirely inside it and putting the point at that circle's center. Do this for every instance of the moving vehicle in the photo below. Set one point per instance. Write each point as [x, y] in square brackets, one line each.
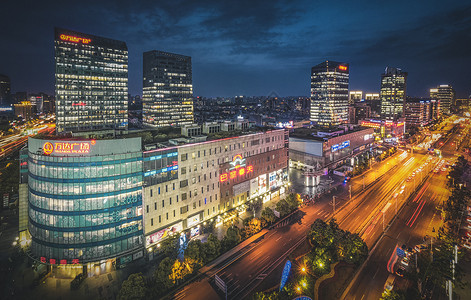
[389, 285]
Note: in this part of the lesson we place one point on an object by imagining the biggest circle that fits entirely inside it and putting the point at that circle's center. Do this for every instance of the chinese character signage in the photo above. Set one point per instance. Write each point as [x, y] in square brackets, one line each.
[238, 168]
[70, 147]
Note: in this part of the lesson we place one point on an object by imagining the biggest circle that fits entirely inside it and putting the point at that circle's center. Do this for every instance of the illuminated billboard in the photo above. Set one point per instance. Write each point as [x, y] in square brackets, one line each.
[67, 147]
[74, 39]
[238, 168]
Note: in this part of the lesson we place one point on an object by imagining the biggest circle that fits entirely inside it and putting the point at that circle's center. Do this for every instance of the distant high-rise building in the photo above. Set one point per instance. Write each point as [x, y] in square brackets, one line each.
[5, 89]
[329, 93]
[417, 111]
[91, 82]
[354, 96]
[393, 93]
[445, 94]
[167, 98]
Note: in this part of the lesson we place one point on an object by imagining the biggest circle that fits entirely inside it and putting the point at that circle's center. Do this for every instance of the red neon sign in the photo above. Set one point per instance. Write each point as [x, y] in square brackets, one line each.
[238, 168]
[343, 68]
[67, 147]
[74, 39]
[78, 104]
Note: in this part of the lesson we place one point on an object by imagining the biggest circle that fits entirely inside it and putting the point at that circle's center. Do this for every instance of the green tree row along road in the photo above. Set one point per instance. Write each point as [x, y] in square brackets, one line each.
[329, 245]
[172, 271]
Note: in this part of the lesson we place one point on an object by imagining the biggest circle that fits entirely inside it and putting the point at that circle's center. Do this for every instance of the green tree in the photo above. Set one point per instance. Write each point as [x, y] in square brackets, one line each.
[232, 238]
[283, 207]
[212, 248]
[268, 215]
[292, 201]
[194, 250]
[253, 226]
[133, 288]
[392, 295]
[169, 246]
[162, 274]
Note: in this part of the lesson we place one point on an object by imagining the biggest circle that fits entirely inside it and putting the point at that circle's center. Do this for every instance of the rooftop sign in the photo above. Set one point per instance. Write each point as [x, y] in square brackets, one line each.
[67, 147]
[74, 39]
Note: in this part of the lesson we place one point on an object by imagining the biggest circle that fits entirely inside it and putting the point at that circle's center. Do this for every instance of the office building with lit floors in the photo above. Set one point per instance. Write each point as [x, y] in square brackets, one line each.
[329, 94]
[85, 201]
[91, 75]
[167, 96]
[393, 94]
[445, 95]
[189, 185]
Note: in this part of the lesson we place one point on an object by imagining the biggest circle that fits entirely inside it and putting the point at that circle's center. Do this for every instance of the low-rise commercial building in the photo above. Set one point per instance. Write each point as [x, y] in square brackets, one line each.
[186, 185]
[323, 152]
[87, 201]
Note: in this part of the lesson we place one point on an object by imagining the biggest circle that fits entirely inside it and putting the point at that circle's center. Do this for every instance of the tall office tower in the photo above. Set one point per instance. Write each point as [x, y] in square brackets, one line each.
[167, 97]
[329, 93]
[354, 97]
[393, 93]
[445, 94]
[91, 82]
[5, 89]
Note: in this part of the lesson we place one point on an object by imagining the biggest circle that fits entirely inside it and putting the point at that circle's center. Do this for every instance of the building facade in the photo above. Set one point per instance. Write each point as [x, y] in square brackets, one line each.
[445, 95]
[5, 90]
[393, 93]
[329, 93]
[354, 96]
[167, 89]
[91, 82]
[84, 199]
[188, 185]
[416, 112]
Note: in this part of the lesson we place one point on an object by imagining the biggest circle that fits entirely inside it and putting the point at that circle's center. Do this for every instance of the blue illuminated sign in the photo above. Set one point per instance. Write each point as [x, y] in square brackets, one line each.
[340, 146]
[285, 274]
[150, 173]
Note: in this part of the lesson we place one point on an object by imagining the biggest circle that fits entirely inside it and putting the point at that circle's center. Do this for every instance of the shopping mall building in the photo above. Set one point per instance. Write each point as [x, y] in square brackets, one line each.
[106, 201]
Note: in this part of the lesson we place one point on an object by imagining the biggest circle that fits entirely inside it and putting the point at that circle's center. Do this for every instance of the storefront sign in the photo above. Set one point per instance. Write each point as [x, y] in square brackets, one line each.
[193, 221]
[161, 234]
[54, 261]
[67, 147]
[74, 39]
[194, 231]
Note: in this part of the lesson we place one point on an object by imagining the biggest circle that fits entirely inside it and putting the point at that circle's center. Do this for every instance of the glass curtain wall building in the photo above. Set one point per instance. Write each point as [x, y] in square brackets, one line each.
[393, 94]
[167, 89]
[85, 199]
[445, 94]
[91, 82]
[329, 93]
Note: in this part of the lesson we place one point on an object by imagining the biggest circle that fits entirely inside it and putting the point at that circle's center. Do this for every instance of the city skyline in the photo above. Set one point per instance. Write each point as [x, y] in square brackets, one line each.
[256, 51]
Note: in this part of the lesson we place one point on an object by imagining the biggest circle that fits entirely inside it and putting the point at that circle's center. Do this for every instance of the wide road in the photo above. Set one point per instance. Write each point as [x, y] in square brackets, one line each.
[249, 267]
[419, 218]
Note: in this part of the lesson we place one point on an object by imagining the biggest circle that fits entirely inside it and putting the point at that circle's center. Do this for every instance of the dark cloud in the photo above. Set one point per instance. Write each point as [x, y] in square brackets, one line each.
[252, 47]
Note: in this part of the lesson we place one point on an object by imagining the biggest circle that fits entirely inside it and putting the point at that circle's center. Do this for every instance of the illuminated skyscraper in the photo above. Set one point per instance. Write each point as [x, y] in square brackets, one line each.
[393, 93]
[167, 98]
[91, 82]
[445, 94]
[329, 93]
[5, 89]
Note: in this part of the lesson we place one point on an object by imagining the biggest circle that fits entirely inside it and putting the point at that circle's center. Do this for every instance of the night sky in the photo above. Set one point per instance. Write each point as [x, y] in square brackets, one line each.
[249, 47]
